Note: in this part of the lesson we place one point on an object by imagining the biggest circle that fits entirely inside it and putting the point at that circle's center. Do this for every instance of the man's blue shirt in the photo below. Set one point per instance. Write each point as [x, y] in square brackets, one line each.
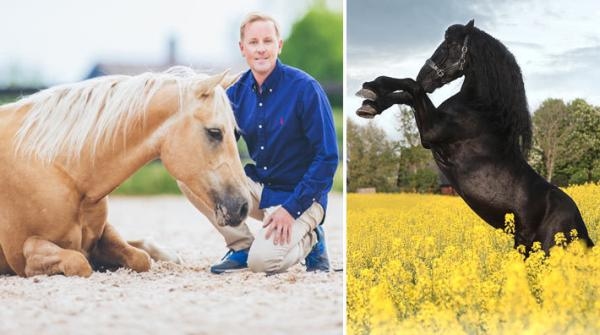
[288, 127]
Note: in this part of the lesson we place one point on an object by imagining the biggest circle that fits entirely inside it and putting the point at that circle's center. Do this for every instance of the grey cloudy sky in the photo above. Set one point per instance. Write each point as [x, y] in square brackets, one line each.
[556, 43]
[59, 41]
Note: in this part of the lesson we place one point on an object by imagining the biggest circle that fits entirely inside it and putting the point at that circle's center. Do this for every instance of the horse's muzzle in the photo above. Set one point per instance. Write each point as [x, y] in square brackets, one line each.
[232, 211]
[428, 79]
[429, 86]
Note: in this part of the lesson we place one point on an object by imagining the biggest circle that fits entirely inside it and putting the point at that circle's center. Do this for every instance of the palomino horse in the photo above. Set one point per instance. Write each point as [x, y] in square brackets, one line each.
[480, 136]
[64, 149]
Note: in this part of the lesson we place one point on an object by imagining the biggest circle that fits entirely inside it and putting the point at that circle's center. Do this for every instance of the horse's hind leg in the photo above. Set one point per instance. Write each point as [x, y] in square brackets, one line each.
[45, 257]
[564, 217]
[111, 250]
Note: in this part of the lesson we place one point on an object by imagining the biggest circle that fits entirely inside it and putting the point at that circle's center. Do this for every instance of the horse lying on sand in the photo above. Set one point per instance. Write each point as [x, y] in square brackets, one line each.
[62, 150]
[480, 136]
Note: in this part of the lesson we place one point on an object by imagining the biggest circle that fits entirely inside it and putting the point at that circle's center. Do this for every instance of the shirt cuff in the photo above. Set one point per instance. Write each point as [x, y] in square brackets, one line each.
[293, 207]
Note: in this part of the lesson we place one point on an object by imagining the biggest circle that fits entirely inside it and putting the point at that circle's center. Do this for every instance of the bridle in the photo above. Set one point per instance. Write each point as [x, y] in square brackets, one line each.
[460, 64]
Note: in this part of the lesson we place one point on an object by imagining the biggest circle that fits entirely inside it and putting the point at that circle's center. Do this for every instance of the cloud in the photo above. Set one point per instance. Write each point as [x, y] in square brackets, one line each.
[396, 37]
[406, 24]
[568, 75]
[556, 45]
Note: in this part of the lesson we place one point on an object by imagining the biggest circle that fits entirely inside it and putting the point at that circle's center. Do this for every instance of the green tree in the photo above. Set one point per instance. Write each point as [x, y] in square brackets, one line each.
[372, 158]
[582, 154]
[315, 44]
[551, 128]
[416, 169]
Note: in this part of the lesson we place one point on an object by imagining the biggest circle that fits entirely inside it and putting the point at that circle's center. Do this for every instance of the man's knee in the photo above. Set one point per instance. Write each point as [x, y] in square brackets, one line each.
[265, 260]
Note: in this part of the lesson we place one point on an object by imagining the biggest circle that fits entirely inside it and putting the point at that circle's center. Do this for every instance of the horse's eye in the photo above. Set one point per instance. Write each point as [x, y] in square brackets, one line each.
[214, 134]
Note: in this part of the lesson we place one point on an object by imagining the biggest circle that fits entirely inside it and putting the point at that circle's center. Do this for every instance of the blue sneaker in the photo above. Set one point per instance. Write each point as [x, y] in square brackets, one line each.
[317, 259]
[232, 261]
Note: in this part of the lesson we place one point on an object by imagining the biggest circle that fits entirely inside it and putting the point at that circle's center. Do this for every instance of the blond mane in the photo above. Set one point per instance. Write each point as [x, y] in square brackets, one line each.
[66, 119]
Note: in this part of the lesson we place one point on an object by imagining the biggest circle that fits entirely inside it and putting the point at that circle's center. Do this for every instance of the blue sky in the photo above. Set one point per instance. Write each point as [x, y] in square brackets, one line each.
[556, 43]
[60, 40]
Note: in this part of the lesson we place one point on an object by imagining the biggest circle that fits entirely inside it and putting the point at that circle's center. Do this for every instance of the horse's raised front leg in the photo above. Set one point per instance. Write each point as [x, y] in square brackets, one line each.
[111, 250]
[382, 86]
[370, 108]
[433, 126]
[44, 257]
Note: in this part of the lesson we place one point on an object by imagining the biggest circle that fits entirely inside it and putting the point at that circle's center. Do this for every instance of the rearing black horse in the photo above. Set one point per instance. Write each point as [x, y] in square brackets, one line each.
[480, 136]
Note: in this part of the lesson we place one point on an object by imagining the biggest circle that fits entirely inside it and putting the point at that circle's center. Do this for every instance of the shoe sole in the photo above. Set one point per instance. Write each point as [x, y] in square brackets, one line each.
[218, 272]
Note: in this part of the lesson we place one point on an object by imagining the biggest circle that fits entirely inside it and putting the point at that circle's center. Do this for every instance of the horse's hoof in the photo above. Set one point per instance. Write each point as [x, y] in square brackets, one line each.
[366, 111]
[366, 94]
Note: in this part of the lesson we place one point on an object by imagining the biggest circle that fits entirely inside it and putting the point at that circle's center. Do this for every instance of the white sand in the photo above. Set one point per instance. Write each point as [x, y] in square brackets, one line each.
[179, 299]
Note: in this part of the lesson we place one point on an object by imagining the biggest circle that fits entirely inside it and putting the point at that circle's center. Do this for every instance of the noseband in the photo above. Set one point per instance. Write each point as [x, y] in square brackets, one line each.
[460, 64]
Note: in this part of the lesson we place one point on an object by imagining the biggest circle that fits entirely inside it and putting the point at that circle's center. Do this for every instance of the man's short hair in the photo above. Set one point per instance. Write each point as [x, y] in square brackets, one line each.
[257, 16]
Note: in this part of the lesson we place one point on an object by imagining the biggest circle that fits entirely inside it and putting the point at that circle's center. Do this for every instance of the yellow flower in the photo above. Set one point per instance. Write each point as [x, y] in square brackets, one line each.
[509, 223]
[426, 264]
[573, 234]
[560, 239]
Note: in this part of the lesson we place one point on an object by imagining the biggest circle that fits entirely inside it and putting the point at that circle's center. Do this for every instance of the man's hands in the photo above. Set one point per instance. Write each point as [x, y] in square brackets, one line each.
[279, 225]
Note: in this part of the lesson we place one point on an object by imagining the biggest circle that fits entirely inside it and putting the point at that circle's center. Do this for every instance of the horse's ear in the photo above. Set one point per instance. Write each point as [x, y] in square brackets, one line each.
[230, 79]
[469, 26]
[206, 86]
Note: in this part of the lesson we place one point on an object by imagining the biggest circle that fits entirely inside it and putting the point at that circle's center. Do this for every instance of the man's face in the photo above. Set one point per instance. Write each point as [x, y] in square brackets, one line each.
[261, 46]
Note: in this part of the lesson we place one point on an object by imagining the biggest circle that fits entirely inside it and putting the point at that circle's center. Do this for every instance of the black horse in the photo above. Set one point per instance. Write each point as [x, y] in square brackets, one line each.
[480, 136]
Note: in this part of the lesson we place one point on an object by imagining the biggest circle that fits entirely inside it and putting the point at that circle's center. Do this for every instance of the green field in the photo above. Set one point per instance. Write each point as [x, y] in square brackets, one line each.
[153, 178]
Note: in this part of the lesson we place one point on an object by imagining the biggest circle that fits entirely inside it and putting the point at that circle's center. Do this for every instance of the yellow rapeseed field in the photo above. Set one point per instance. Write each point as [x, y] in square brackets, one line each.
[423, 264]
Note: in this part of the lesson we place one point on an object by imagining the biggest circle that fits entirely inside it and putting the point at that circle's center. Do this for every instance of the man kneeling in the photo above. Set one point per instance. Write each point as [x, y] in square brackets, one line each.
[287, 123]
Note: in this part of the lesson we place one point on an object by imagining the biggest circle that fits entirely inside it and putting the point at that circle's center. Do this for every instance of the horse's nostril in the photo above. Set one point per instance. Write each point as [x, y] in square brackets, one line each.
[244, 210]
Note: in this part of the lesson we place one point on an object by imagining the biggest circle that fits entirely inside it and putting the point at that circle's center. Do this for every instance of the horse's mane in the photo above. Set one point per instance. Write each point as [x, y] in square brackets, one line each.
[500, 88]
[66, 119]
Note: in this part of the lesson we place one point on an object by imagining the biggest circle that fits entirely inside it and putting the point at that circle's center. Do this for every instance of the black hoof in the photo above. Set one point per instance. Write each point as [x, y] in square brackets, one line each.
[366, 111]
[366, 94]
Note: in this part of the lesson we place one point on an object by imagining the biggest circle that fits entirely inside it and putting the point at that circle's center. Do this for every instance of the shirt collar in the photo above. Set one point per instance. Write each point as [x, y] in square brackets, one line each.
[272, 80]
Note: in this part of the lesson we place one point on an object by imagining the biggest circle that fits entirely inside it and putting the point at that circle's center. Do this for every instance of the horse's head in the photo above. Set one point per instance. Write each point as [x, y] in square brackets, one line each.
[448, 60]
[199, 149]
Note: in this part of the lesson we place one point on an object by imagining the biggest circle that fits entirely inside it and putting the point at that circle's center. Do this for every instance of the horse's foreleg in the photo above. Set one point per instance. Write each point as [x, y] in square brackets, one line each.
[45, 257]
[433, 126]
[370, 108]
[155, 251]
[111, 250]
[382, 86]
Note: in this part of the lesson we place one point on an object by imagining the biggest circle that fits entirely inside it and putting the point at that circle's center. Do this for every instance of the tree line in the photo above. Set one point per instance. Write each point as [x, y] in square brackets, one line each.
[566, 150]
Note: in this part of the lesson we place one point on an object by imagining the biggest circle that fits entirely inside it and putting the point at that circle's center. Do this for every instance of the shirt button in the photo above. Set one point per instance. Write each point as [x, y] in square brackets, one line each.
[270, 90]
[314, 199]
[260, 126]
[262, 148]
[260, 104]
[298, 213]
[264, 167]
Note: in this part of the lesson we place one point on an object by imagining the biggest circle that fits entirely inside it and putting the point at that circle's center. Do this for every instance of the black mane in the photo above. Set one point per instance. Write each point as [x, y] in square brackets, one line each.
[495, 75]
